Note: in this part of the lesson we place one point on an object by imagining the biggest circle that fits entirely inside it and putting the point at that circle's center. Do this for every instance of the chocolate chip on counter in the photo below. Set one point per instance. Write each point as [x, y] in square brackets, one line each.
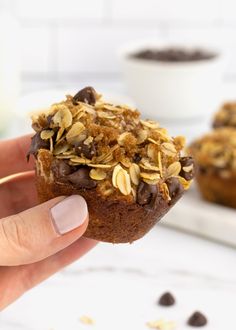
[61, 169]
[185, 162]
[197, 319]
[166, 299]
[87, 150]
[175, 187]
[86, 95]
[146, 193]
[81, 178]
[36, 144]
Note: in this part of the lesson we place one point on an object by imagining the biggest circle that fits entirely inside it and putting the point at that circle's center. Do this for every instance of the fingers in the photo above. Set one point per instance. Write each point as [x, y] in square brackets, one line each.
[18, 194]
[42, 231]
[23, 278]
[13, 156]
[38, 272]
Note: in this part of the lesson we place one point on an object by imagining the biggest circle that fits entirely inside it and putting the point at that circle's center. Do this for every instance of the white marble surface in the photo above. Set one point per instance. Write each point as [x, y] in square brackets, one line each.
[118, 285]
[208, 220]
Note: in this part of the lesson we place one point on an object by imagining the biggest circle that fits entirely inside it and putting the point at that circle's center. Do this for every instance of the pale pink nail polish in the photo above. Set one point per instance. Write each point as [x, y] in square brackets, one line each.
[69, 214]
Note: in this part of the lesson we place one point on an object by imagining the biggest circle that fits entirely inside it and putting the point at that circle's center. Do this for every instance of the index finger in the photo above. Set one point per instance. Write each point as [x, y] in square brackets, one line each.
[13, 156]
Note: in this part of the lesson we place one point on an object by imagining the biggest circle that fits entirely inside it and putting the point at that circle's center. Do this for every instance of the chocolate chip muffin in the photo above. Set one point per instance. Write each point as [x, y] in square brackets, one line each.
[226, 116]
[215, 157]
[129, 170]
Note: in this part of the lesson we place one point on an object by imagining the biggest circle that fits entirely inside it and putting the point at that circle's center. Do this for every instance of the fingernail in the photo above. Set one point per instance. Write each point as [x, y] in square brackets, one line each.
[69, 214]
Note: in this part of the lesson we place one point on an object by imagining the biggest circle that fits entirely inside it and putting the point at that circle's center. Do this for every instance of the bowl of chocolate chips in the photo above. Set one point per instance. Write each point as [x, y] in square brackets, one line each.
[173, 83]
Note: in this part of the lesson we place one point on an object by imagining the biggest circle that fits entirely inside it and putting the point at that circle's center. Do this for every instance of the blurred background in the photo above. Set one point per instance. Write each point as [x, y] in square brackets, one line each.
[75, 41]
[49, 48]
[70, 44]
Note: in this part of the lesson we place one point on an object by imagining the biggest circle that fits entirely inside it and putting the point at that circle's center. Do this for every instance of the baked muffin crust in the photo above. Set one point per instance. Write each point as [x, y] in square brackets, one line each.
[88, 146]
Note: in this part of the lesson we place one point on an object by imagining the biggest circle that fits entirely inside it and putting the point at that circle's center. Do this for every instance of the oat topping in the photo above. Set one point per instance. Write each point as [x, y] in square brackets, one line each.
[215, 151]
[162, 325]
[226, 116]
[86, 320]
[118, 150]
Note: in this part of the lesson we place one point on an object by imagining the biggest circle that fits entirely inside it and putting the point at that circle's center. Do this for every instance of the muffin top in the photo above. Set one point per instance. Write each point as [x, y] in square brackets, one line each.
[95, 144]
[226, 116]
[216, 151]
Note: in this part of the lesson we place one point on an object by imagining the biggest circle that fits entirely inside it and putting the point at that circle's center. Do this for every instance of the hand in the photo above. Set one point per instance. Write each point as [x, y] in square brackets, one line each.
[35, 241]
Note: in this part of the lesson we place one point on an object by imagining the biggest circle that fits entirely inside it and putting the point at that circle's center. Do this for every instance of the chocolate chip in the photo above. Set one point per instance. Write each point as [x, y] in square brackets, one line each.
[175, 187]
[185, 162]
[146, 193]
[49, 119]
[174, 55]
[202, 170]
[81, 178]
[137, 158]
[87, 150]
[61, 169]
[166, 299]
[36, 144]
[86, 95]
[197, 319]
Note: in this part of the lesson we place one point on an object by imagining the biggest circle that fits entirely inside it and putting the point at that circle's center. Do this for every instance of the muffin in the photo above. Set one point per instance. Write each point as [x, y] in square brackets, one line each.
[226, 116]
[215, 157]
[130, 171]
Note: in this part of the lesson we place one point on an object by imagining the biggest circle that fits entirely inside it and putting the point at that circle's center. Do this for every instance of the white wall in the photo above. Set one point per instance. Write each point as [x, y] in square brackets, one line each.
[63, 39]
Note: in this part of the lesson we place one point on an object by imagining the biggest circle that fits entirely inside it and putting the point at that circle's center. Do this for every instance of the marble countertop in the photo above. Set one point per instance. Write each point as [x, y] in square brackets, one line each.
[118, 286]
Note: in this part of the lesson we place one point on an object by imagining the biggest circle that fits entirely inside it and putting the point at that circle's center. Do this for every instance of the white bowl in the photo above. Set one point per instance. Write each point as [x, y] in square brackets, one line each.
[173, 90]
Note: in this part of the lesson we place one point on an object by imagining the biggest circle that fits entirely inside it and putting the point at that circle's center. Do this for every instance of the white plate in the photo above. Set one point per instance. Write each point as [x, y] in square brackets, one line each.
[193, 214]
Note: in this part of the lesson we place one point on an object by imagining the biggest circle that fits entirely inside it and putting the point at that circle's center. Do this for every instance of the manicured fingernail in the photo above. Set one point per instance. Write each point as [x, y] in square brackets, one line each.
[69, 214]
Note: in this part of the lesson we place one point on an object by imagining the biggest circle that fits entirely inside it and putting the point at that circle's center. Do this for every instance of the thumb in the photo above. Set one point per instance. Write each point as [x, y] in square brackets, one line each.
[42, 231]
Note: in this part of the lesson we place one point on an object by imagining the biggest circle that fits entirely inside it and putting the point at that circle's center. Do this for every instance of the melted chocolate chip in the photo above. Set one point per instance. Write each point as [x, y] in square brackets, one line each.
[87, 150]
[197, 319]
[137, 158]
[49, 119]
[166, 299]
[146, 194]
[36, 144]
[202, 170]
[185, 162]
[175, 187]
[86, 95]
[81, 179]
[61, 169]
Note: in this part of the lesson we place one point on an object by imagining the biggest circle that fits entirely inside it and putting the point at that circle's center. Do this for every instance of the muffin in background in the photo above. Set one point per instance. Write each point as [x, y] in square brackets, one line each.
[225, 116]
[215, 158]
